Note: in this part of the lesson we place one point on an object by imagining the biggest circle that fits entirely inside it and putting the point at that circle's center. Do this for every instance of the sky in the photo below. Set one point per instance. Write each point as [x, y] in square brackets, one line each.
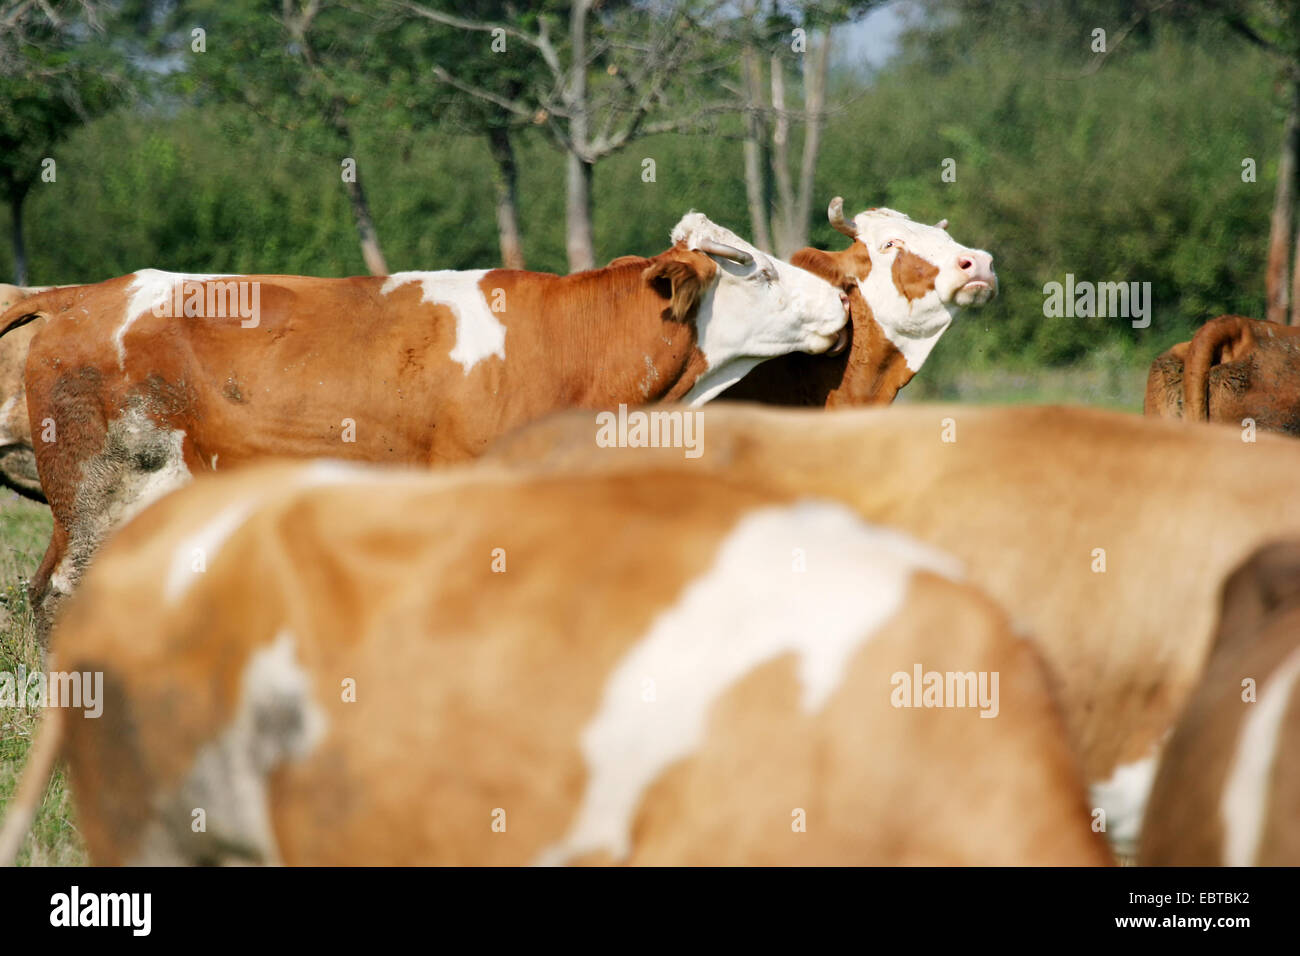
[874, 38]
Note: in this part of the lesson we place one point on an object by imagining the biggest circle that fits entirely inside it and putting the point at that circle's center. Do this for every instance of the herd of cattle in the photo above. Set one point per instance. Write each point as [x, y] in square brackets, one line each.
[911, 635]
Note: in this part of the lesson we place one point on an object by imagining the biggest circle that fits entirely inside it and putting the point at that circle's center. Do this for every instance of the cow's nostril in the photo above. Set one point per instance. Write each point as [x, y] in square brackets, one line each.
[965, 264]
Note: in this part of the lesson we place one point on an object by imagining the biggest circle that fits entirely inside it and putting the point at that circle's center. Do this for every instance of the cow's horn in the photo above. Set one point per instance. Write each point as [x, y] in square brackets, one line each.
[835, 213]
[942, 223]
[724, 251]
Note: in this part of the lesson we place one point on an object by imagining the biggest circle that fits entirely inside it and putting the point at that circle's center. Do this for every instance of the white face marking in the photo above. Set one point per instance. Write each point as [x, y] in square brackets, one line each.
[277, 721]
[914, 327]
[148, 287]
[1124, 798]
[1243, 806]
[479, 333]
[753, 312]
[749, 608]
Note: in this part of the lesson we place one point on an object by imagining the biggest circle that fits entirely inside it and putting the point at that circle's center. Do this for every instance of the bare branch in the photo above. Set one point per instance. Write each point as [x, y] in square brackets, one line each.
[1099, 60]
[511, 106]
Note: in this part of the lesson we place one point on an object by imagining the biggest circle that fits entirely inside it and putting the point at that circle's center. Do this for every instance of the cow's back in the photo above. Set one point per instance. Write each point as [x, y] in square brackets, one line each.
[1105, 535]
[477, 667]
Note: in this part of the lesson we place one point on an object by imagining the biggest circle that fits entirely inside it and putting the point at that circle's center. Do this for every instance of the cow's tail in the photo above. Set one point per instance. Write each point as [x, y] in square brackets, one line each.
[31, 785]
[1221, 339]
[42, 303]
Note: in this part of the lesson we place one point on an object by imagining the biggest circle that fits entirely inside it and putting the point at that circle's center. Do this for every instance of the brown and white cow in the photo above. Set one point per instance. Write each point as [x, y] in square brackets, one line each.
[1233, 369]
[153, 377]
[347, 665]
[17, 459]
[906, 282]
[1228, 788]
[1106, 536]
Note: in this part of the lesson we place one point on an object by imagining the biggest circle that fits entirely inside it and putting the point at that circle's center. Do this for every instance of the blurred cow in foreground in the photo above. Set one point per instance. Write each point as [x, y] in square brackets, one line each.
[1065, 516]
[346, 665]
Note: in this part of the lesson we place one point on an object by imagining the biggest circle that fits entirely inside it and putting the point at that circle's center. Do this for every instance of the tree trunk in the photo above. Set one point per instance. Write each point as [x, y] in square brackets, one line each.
[20, 248]
[757, 186]
[1295, 284]
[1293, 145]
[578, 243]
[506, 186]
[814, 104]
[1279, 239]
[785, 200]
[370, 250]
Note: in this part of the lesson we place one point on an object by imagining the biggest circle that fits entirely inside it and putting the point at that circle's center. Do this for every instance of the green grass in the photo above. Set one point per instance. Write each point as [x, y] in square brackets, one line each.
[1107, 378]
[24, 531]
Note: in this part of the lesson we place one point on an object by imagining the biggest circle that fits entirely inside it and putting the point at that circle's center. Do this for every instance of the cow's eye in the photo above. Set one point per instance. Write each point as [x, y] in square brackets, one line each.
[890, 244]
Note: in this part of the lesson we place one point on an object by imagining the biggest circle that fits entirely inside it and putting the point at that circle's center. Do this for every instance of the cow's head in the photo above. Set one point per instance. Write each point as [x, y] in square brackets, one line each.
[914, 277]
[756, 307]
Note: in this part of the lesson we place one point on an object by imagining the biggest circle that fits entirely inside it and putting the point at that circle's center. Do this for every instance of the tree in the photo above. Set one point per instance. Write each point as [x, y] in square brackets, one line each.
[609, 75]
[306, 66]
[418, 49]
[1274, 26]
[56, 74]
[791, 40]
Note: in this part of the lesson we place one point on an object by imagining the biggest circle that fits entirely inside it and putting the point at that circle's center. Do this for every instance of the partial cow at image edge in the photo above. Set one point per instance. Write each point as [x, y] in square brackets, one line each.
[1235, 371]
[1227, 790]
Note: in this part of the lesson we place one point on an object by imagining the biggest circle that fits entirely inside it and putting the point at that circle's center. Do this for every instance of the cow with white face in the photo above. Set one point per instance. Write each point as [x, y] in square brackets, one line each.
[155, 390]
[906, 283]
[760, 307]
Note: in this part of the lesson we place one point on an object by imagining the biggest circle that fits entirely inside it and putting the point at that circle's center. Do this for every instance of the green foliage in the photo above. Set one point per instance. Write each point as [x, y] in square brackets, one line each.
[57, 82]
[1131, 172]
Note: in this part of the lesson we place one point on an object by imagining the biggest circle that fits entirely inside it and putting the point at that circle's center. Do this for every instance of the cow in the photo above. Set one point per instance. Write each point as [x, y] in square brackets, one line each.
[152, 377]
[338, 664]
[907, 282]
[1233, 369]
[17, 460]
[1228, 784]
[1105, 535]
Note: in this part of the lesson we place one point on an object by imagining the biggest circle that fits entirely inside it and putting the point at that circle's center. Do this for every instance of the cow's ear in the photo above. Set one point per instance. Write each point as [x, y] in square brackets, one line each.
[825, 265]
[681, 282]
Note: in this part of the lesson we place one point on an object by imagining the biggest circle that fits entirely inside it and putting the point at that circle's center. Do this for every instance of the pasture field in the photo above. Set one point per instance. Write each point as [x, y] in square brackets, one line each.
[24, 532]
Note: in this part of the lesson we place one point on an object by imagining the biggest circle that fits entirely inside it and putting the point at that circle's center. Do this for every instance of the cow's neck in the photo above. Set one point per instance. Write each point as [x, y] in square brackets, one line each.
[915, 333]
[875, 371]
[620, 348]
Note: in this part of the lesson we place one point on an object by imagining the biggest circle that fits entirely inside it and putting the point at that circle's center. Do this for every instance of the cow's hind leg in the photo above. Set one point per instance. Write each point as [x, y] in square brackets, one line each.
[140, 461]
[41, 594]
